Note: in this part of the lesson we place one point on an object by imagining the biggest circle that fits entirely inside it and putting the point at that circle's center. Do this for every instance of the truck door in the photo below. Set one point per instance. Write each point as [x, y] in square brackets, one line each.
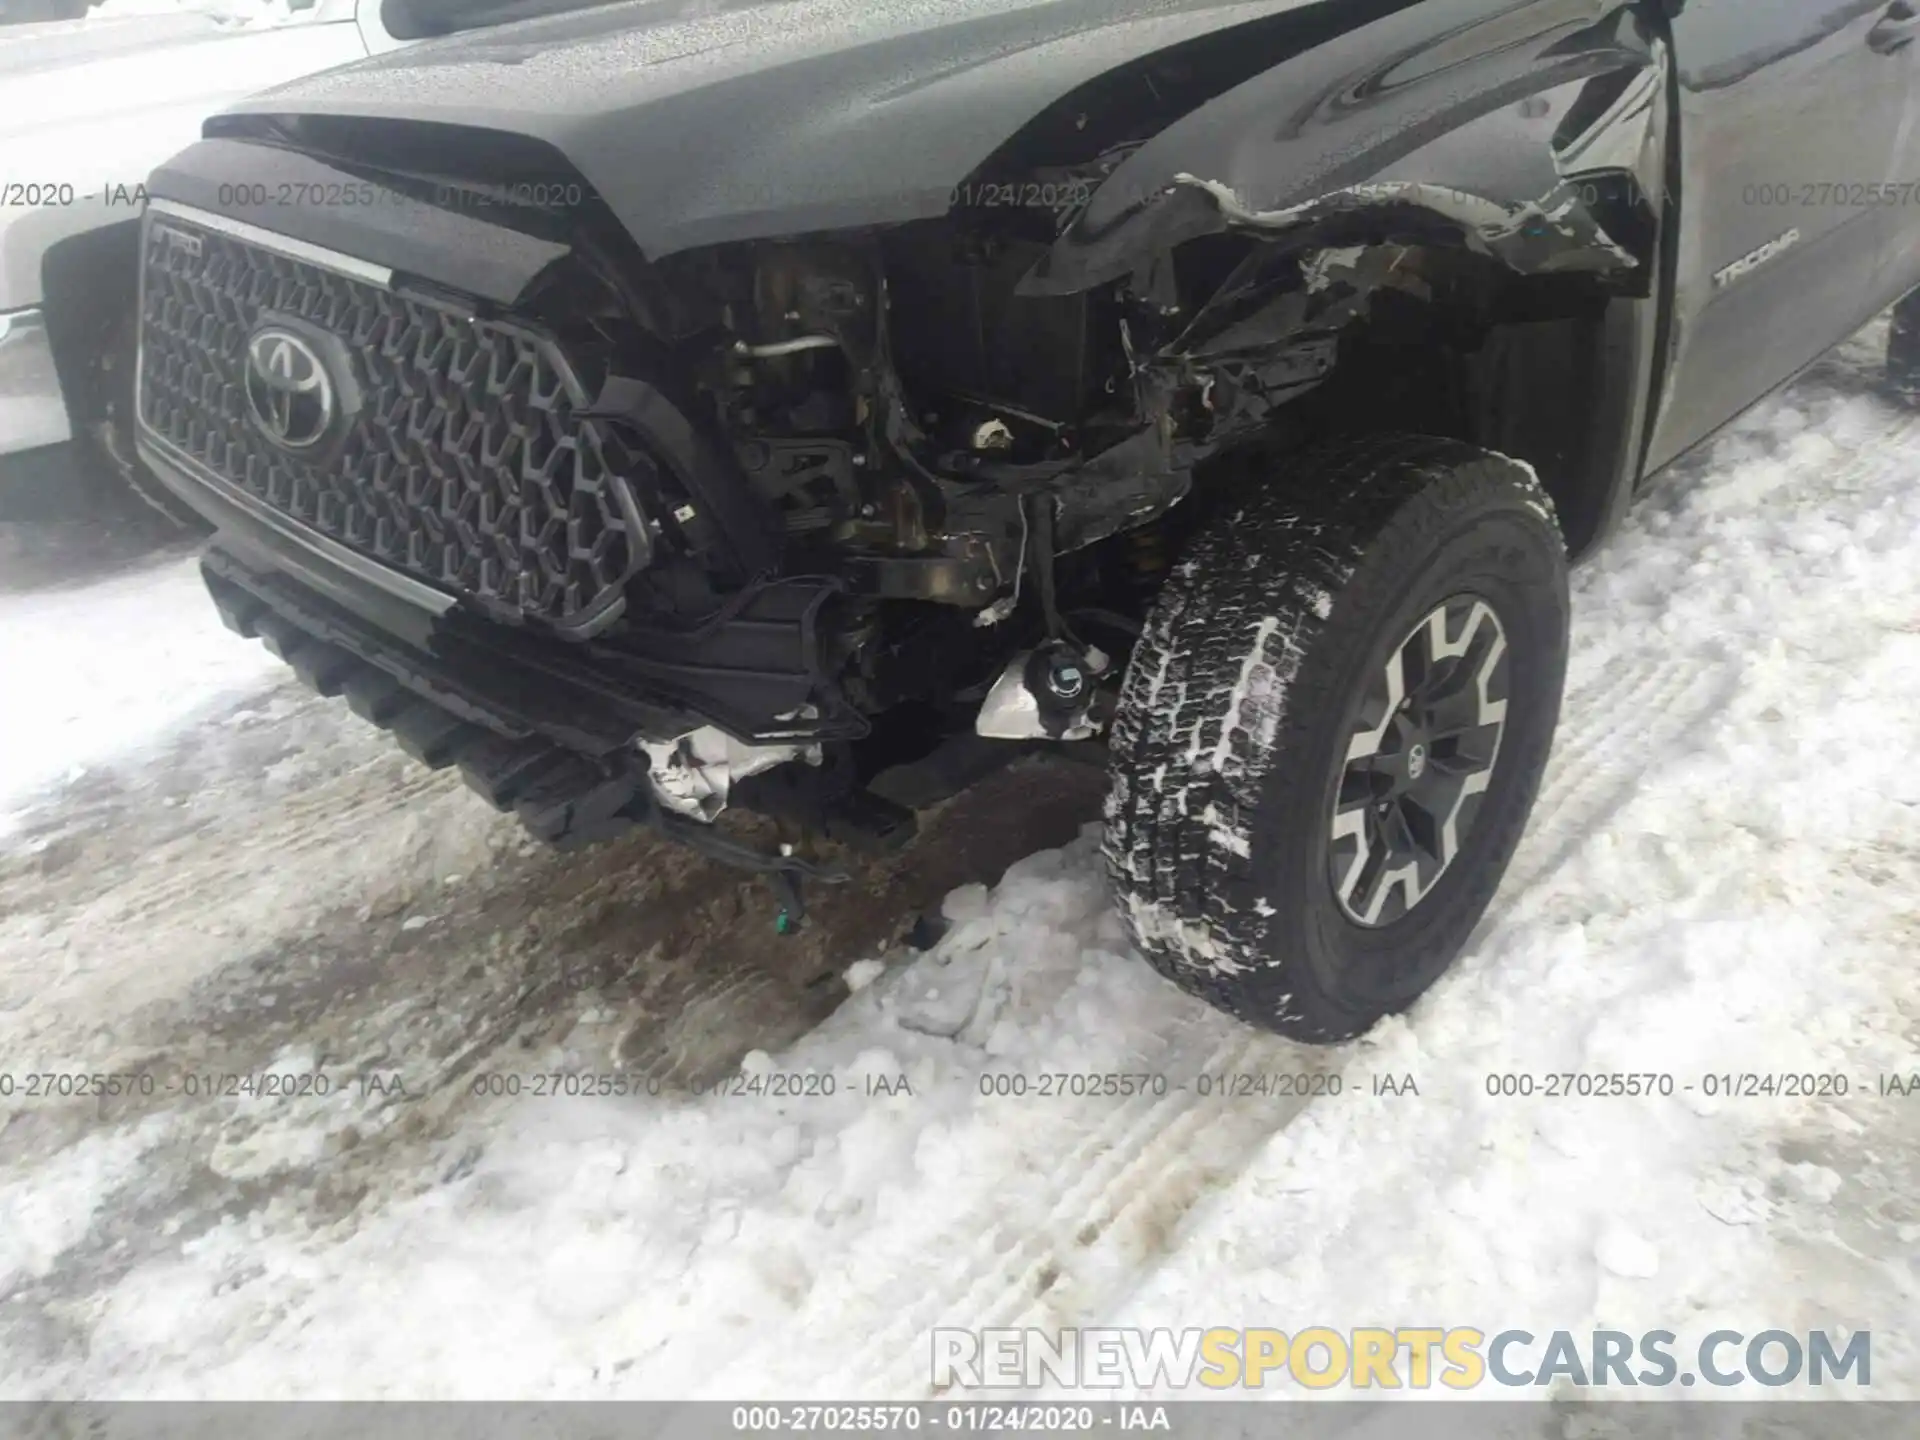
[1791, 120]
[1897, 34]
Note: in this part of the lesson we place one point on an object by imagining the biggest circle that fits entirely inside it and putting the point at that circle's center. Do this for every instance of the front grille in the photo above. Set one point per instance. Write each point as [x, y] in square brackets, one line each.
[465, 465]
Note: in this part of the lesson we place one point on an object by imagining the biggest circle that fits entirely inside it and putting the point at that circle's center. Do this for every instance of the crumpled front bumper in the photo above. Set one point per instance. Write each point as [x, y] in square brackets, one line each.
[547, 739]
[546, 752]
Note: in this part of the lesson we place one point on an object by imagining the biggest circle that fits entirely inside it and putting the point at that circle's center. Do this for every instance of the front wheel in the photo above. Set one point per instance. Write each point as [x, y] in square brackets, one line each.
[1332, 731]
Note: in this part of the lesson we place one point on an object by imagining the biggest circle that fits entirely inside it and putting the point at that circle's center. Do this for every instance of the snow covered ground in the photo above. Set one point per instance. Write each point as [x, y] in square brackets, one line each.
[134, 656]
[228, 877]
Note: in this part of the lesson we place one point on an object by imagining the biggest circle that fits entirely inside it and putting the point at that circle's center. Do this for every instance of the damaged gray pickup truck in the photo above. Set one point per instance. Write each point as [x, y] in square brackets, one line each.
[655, 409]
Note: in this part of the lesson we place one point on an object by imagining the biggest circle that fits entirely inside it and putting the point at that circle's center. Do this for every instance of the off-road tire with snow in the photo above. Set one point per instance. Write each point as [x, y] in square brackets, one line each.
[1267, 666]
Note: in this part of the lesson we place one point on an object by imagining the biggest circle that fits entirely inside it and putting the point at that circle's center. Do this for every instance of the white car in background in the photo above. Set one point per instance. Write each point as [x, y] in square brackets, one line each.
[88, 107]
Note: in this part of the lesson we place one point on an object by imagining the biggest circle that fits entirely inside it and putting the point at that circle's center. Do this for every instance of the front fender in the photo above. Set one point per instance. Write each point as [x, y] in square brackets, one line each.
[1441, 118]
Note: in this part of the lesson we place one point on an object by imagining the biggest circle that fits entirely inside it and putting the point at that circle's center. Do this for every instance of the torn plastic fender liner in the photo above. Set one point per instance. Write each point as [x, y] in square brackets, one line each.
[1554, 234]
[1508, 138]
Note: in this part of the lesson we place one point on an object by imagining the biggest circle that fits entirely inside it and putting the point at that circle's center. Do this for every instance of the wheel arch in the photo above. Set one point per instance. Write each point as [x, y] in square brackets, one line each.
[1554, 374]
[1520, 160]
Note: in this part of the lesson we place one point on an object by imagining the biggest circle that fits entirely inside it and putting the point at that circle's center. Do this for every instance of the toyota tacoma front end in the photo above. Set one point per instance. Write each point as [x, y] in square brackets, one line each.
[657, 414]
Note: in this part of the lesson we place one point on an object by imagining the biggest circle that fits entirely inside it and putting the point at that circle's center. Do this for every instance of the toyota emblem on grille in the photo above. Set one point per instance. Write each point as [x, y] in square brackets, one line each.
[289, 392]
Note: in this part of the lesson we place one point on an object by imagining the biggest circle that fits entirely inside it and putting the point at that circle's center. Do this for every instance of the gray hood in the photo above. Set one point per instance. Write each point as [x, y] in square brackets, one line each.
[701, 123]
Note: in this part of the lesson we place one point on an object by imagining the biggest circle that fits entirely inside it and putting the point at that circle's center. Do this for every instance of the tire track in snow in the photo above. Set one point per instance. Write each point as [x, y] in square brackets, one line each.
[1595, 772]
[207, 897]
[1097, 1180]
[1131, 1200]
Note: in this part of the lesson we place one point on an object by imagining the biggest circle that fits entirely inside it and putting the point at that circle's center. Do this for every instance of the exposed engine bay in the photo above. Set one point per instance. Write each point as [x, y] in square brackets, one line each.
[977, 476]
[984, 479]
